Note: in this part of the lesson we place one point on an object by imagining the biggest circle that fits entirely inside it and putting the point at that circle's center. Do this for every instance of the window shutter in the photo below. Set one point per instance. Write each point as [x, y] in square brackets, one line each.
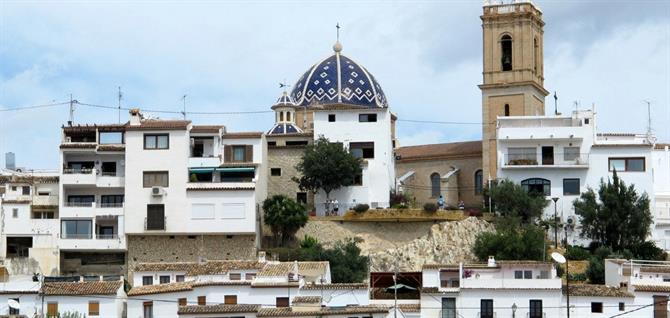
[249, 153]
[227, 153]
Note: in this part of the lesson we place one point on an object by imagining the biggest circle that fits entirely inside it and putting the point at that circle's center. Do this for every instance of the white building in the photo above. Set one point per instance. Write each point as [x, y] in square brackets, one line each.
[661, 209]
[497, 289]
[563, 156]
[343, 102]
[29, 222]
[18, 294]
[648, 281]
[211, 283]
[92, 186]
[89, 298]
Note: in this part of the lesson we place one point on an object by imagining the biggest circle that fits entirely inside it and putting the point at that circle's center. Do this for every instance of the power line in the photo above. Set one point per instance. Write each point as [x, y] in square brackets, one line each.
[33, 107]
[439, 122]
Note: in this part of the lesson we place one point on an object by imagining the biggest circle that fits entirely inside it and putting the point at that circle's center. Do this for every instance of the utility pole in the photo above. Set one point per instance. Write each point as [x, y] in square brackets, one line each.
[71, 121]
[555, 199]
[555, 104]
[184, 112]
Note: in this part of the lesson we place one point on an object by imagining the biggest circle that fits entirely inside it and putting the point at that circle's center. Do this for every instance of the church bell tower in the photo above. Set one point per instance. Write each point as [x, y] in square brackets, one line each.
[513, 70]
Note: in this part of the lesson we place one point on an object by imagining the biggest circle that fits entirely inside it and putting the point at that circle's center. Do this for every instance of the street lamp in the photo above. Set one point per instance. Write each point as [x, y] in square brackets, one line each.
[555, 223]
[559, 258]
[514, 310]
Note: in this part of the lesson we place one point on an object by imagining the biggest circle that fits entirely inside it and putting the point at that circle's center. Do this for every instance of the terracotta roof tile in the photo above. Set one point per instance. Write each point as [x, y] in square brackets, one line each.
[324, 311]
[284, 268]
[589, 290]
[206, 128]
[307, 299]
[223, 267]
[160, 289]
[440, 151]
[410, 307]
[661, 146]
[242, 135]
[225, 283]
[79, 145]
[655, 269]
[617, 134]
[218, 309]
[261, 284]
[81, 288]
[93, 127]
[16, 201]
[337, 286]
[165, 267]
[440, 266]
[652, 288]
[112, 148]
[160, 124]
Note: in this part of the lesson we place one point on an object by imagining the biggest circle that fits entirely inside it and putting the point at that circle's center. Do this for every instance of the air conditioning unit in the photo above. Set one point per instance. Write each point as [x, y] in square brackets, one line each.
[157, 191]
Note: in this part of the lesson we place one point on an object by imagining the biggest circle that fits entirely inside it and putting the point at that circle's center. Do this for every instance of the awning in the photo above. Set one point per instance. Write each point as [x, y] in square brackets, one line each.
[201, 170]
[236, 169]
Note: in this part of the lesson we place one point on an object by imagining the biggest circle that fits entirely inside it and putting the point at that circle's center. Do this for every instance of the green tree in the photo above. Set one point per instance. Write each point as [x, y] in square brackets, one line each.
[347, 265]
[596, 270]
[513, 201]
[525, 242]
[284, 215]
[326, 166]
[618, 217]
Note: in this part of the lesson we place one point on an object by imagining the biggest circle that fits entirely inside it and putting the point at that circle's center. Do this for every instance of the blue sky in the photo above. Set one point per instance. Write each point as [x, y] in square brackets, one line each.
[229, 56]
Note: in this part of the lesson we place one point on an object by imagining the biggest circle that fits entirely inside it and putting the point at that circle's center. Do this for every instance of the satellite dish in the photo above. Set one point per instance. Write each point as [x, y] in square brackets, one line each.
[558, 258]
[13, 304]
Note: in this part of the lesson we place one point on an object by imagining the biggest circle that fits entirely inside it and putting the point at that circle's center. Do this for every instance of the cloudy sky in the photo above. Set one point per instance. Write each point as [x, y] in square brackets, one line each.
[229, 56]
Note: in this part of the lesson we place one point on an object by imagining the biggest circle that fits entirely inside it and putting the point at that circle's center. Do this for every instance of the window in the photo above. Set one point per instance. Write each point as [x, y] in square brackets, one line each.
[109, 168]
[148, 308]
[536, 57]
[571, 187]
[156, 179]
[203, 211]
[238, 153]
[622, 306]
[230, 299]
[535, 309]
[182, 301]
[331, 118]
[586, 121]
[249, 276]
[570, 153]
[275, 172]
[506, 52]
[486, 308]
[272, 143]
[537, 185]
[358, 178]
[52, 310]
[448, 307]
[43, 215]
[156, 141]
[527, 274]
[296, 143]
[435, 185]
[80, 200]
[301, 197]
[506, 110]
[596, 307]
[235, 276]
[179, 278]
[147, 280]
[111, 201]
[288, 116]
[14, 188]
[76, 229]
[155, 217]
[518, 274]
[25, 190]
[202, 300]
[281, 116]
[365, 150]
[281, 302]
[479, 182]
[14, 311]
[164, 279]
[521, 156]
[627, 164]
[43, 193]
[111, 137]
[93, 308]
[367, 118]
[15, 213]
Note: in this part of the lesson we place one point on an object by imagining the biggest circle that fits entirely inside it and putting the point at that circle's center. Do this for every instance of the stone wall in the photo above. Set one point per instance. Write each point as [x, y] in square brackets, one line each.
[285, 158]
[183, 248]
[412, 244]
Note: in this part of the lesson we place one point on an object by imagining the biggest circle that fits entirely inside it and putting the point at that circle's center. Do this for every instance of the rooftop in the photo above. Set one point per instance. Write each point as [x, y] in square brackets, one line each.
[440, 151]
[588, 290]
[324, 311]
[218, 309]
[81, 288]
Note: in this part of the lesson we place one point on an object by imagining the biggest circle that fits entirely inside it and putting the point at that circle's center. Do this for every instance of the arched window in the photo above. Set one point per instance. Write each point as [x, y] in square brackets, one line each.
[288, 116]
[435, 185]
[506, 109]
[281, 116]
[506, 50]
[479, 182]
[536, 55]
[538, 185]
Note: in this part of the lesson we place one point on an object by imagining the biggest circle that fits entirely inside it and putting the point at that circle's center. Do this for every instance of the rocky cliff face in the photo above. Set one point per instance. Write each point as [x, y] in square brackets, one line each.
[407, 245]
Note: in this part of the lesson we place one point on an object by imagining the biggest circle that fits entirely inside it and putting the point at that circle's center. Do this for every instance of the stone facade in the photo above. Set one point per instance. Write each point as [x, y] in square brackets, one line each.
[183, 248]
[286, 158]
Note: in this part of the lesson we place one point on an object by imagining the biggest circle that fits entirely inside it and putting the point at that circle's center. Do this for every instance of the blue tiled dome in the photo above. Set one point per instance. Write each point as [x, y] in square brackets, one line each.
[338, 80]
[284, 128]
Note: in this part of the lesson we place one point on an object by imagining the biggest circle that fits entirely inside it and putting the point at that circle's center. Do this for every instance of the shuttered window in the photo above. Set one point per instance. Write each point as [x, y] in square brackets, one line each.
[52, 310]
[182, 301]
[202, 300]
[230, 299]
[93, 308]
[238, 153]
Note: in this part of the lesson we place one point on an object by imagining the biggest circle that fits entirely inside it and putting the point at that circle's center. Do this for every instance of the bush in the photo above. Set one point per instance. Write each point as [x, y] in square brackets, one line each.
[361, 207]
[525, 242]
[577, 277]
[308, 242]
[649, 251]
[399, 206]
[430, 207]
[577, 253]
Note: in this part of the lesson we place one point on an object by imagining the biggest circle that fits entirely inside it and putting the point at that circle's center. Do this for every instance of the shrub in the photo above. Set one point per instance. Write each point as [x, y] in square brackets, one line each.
[430, 207]
[308, 242]
[577, 253]
[361, 207]
[399, 206]
[577, 277]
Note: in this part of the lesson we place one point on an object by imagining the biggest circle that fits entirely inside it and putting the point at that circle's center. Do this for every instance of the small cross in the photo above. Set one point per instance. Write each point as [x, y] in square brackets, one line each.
[283, 84]
[338, 31]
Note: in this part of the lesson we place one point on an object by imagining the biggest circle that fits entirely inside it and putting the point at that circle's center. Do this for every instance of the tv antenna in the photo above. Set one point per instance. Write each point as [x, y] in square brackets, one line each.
[183, 98]
[119, 109]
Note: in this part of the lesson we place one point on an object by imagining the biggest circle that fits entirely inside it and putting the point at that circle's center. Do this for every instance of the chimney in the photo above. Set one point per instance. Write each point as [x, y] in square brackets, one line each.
[135, 117]
[261, 256]
[491, 262]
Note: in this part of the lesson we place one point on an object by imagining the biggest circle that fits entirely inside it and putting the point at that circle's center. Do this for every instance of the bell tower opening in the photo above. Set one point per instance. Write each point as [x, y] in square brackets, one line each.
[513, 79]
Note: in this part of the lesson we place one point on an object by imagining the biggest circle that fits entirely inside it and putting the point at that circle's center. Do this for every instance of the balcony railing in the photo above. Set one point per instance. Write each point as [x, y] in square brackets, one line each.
[155, 225]
[449, 313]
[79, 204]
[487, 315]
[76, 236]
[109, 173]
[106, 205]
[78, 171]
[544, 315]
[533, 159]
[107, 236]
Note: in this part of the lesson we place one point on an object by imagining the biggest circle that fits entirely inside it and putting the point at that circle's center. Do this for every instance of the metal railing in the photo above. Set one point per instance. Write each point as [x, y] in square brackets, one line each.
[110, 205]
[155, 225]
[74, 236]
[109, 173]
[78, 171]
[533, 159]
[449, 313]
[107, 236]
[79, 204]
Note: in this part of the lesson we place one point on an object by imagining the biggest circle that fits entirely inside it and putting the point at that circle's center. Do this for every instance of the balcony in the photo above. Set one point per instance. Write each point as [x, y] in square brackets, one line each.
[92, 242]
[90, 209]
[204, 161]
[550, 283]
[45, 200]
[533, 161]
[78, 176]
